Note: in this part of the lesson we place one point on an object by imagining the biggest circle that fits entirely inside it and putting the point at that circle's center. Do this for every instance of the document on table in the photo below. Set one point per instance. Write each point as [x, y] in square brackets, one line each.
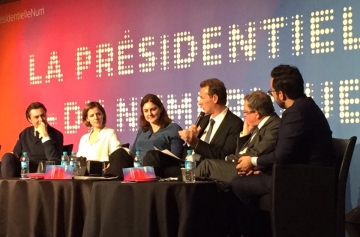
[167, 152]
[93, 177]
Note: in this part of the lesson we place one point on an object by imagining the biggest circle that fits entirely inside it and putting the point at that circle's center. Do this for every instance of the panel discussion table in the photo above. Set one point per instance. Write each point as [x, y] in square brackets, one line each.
[157, 209]
[43, 208]
[87, 208]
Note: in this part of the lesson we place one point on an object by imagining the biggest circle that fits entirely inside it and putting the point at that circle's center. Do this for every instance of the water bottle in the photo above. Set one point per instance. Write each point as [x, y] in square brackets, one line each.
[73, 164]
[65, 159]
[24, 165]
[72, 159]
[190, 165]
[138, 160]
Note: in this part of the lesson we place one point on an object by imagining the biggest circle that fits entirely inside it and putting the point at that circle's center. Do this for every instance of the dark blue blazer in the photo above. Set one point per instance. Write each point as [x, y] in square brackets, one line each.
[37, 151]
[304, 137]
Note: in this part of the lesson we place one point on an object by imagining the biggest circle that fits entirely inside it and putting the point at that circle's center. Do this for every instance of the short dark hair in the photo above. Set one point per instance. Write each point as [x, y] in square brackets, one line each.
[164, 119]
[216, 87]
[91, 105]
[34, 105]
[261, 102]
[288, 79]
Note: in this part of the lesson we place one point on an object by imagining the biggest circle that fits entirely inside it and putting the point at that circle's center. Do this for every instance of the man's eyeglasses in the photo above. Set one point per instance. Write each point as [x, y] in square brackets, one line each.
[248, 112]
[270, 92]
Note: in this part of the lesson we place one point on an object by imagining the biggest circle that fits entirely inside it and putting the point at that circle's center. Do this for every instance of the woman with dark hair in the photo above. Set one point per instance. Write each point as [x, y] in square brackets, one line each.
[158, 130]
[101, 143]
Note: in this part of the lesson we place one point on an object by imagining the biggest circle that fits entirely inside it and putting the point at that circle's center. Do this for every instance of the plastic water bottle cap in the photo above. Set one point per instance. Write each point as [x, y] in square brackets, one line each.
[64, 152]
[24, 153]
[137, 152]
[189, 151]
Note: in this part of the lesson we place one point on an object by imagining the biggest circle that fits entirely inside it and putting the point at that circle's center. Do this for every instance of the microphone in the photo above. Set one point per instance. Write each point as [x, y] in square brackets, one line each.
[201, 114]
[199, 118]
[232, 158]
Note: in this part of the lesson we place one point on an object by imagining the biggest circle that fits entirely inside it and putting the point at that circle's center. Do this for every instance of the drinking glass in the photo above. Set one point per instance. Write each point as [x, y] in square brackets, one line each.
[48, 163]
[77, 168]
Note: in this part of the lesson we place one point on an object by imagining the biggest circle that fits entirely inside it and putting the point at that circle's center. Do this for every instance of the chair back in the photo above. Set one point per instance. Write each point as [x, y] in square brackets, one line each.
[68, 148]
[41, 165]
[344, 149]
[317, 206]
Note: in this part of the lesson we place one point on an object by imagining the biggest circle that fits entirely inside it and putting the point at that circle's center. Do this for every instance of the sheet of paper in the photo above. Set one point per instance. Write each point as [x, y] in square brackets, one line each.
[167, 152]
[92, 177]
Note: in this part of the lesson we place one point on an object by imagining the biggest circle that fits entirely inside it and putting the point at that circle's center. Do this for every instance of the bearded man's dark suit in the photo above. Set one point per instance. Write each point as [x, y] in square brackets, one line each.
[263, 142]
[223, 142]
[304, 137]
[35, 148]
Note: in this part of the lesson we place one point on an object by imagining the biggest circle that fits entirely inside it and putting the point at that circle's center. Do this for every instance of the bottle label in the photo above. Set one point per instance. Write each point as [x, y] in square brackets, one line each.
[137, 164]
[190, 157]
[23, 164]
[189, 165]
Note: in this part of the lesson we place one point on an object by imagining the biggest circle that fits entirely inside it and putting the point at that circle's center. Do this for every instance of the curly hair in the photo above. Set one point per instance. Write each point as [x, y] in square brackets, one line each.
[289, 80]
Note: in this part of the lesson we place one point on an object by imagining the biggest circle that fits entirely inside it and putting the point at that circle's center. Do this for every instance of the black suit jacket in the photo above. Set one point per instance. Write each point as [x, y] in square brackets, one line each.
[223, 142]
[264, 140]
[304, 137]
[37, 151]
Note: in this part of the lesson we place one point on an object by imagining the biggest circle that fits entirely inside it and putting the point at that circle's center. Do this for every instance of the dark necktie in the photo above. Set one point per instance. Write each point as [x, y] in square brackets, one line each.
[208, 134]
[253, 133]
[248, 142]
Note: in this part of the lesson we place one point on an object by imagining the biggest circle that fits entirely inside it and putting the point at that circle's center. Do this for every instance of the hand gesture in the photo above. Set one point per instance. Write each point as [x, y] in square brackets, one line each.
[190, 135]
[246, 128]
[42, 130]
[244, 165]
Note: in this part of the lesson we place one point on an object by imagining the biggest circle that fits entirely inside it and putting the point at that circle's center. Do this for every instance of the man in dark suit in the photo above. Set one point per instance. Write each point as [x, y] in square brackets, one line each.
[258, 137]
[215, 137]
[216, 143]
[304, 137]
[40, 141]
